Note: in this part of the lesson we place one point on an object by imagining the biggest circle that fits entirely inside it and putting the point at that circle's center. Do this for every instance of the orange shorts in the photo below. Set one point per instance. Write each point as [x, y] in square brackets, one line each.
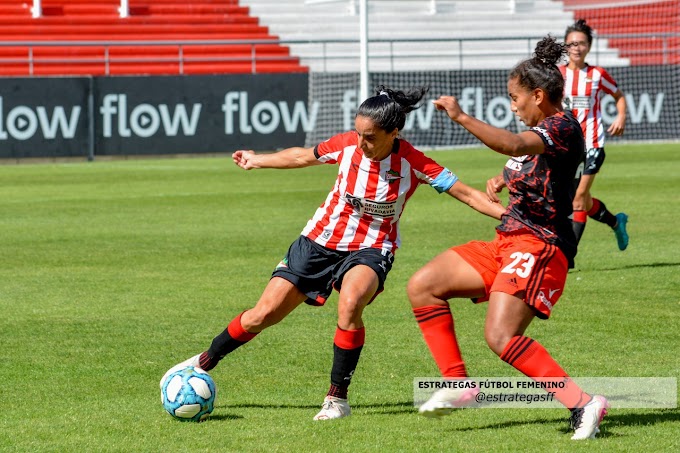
[519, 264]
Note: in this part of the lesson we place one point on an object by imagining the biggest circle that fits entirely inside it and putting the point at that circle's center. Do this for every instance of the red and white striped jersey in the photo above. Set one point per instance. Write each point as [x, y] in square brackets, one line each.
[583, 90]
[368, 197]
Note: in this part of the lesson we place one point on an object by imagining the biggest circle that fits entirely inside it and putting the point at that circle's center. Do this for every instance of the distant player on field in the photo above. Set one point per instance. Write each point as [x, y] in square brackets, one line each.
[583, 89]
[350, 242]
[522, 272]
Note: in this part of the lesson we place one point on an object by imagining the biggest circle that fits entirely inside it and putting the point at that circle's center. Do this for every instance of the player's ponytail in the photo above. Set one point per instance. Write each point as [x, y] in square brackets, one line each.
[388, 108]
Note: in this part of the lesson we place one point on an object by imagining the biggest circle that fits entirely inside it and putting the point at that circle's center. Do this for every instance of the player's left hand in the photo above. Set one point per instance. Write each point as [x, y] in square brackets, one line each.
[617, 127]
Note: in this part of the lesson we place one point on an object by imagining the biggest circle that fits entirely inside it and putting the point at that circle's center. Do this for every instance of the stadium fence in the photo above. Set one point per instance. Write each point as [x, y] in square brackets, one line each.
[104, 116]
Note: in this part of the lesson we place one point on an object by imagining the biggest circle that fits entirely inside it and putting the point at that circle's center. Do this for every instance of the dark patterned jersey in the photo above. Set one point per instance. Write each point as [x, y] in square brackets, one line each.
[541, 187]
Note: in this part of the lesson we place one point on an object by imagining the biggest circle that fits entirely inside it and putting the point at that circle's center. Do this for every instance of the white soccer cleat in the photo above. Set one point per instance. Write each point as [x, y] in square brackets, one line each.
[444, 401]
[193, 361]
[333, 408]
[586, 421]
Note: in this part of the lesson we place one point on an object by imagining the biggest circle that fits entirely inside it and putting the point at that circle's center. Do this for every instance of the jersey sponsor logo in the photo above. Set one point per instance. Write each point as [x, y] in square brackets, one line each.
[372, 207]
[545, 134]
[515, 163]
[283, 264]
[545, 300]
[392, 175]
[388, 254]
[580, 102]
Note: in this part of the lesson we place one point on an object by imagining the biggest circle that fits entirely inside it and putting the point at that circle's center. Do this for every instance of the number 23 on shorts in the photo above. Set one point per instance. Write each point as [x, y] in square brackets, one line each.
[521, 264]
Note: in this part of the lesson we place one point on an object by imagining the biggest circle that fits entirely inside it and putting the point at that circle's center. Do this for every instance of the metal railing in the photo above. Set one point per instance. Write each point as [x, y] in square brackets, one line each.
[106, 60]
[431, 6]
[321, 55]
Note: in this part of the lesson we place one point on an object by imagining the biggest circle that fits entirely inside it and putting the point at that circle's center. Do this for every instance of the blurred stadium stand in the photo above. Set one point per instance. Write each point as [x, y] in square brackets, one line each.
[645, 32]
[420, 34]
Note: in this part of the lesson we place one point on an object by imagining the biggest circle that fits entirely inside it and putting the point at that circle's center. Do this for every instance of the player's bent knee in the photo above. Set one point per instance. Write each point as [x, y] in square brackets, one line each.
[417, 288]
[497, 340]
[350, 309]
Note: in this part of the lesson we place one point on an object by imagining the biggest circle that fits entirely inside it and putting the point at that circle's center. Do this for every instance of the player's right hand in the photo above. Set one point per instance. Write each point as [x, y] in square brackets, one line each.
[450, 105]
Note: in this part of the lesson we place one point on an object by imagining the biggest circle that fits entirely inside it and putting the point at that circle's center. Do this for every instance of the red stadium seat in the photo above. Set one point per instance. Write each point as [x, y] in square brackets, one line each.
[643, 19]
[162, 20]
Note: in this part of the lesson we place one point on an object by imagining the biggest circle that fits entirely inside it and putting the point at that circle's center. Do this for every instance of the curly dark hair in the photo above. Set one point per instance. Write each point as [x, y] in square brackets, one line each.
[580, 26]
[541, 70]
[388, 108]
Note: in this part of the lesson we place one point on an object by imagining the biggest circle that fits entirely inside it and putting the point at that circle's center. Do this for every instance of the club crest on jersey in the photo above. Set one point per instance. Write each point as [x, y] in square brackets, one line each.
[372, 207]
[392, 175]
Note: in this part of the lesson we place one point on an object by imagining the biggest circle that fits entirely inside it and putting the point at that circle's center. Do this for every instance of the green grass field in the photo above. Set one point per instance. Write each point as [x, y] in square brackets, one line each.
[112, 272]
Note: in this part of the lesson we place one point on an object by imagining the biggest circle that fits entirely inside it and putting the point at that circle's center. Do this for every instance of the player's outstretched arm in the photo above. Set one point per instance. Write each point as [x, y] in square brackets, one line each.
[477, 200]
[500, 140]
[296, 157]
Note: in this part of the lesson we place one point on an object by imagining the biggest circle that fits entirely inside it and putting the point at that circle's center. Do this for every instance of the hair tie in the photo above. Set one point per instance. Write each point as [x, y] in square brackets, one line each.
[384, 93]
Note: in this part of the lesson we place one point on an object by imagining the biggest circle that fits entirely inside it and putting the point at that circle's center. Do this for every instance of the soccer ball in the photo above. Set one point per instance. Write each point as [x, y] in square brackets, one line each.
[188, 394]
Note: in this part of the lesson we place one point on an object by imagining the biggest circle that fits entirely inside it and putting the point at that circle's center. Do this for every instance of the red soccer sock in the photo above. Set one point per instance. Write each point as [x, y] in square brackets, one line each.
[349, 339]
[600, 213]
[237, 332]
[234, 336]
[532, 359]
[579, 223]
[580, 216]
[436, 323]
[596, 207]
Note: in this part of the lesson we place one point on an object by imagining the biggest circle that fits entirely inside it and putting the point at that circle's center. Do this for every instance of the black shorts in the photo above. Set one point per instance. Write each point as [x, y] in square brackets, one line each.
[594, 160]
[316, 270]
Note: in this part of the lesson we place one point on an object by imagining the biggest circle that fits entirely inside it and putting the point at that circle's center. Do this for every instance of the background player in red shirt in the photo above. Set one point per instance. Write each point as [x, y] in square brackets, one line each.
[521, 273]
[583, 89]
[349, 243]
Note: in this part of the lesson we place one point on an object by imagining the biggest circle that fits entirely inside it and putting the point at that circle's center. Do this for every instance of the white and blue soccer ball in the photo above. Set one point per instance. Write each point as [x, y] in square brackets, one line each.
[188, 394]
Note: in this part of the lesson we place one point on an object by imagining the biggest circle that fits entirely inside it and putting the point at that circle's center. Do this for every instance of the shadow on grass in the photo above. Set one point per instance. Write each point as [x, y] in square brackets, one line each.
[628, 266]
[611, 422]
[383, 408]
[222, 417]
[633, 419]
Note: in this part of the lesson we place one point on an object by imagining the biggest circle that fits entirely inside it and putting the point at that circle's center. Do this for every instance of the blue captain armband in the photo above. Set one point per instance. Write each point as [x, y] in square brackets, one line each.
[444, 181]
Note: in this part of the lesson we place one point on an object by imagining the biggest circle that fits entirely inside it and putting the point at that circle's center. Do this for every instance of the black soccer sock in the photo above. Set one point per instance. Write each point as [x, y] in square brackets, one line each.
[231, 338]
[600, 213]
[347, 347]
[578, 223]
